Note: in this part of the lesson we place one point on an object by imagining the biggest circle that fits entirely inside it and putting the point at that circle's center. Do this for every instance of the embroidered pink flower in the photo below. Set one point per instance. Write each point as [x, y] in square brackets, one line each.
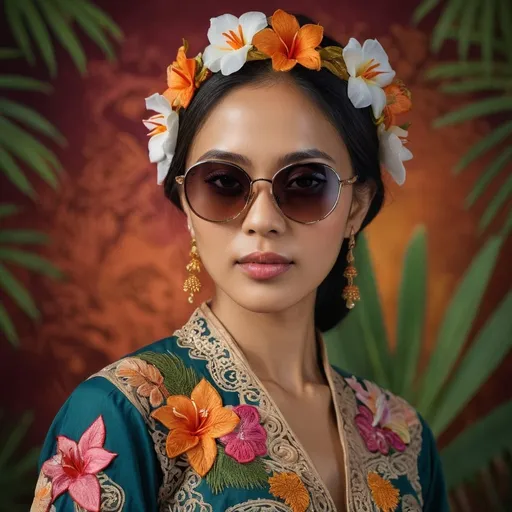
[387, 413]
[76, 465]
[249, 439]
[376, 438]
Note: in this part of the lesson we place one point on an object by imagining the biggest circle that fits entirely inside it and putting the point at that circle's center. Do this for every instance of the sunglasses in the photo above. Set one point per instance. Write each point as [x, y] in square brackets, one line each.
[219, 191]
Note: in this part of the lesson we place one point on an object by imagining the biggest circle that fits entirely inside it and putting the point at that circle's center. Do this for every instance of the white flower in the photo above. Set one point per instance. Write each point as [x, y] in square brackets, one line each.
[164, 133]
[369, 72]
[393, 152]
[231, 39]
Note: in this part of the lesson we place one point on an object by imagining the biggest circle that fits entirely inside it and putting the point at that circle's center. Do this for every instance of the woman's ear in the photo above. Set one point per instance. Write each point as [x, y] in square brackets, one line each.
[362, 198]
[187, 212]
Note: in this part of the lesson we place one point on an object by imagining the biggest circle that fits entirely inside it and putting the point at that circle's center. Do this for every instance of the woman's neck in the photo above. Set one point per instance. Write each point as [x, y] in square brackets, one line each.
[280, 347]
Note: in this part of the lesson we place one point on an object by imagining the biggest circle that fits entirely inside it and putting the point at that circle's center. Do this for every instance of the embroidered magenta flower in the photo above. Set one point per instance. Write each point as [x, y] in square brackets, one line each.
[76, 465]
[249, 439]
[376, 438]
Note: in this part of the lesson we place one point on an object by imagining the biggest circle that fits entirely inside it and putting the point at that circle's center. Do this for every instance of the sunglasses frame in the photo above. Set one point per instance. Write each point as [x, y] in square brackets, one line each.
[180, 180]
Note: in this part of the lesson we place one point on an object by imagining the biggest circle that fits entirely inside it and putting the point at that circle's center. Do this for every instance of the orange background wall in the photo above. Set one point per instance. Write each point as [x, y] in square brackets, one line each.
[123, 247]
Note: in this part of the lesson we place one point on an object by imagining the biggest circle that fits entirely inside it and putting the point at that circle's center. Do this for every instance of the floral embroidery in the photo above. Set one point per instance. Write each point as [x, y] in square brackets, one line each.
[145, 377]
[381, 421]
[288, 43]
[290, 488]
[385, 496]
[249, 439]
[76, 465]
[194, 425]
[43, 494]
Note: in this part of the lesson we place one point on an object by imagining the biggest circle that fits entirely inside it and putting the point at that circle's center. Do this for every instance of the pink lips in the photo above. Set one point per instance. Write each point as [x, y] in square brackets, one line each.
[264, 265]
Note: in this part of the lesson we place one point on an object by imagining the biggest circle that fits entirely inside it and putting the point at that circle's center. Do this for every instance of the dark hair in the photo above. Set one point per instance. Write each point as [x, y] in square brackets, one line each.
[356, 127]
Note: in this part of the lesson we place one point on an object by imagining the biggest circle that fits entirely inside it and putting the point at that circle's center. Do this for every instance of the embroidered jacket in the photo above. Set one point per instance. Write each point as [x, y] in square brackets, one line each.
[185, 425]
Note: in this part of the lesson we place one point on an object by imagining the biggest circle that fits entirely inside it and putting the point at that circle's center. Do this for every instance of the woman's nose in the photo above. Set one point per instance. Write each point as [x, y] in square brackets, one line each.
[263, 215]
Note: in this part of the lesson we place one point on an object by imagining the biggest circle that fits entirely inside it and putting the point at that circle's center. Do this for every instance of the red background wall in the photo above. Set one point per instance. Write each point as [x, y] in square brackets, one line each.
[123, 247]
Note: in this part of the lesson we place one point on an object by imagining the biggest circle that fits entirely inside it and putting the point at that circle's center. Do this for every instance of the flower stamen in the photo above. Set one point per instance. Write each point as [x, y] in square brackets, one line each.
[236, 41]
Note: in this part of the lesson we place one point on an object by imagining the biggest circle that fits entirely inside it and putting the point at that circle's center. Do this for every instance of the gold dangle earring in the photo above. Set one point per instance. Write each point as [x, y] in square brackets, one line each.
[192, 284]
[351, 291]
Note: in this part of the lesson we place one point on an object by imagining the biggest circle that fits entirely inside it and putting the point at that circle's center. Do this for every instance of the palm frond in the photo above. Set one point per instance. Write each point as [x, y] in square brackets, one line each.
[503, 194]
[23, 83]
[100, 17]
[62, 31]
[14, 174]
[31, 118]
[505, 18]
[7, 327]
[456, 324]
[445, 23]
[19, 294]
[485, 144]
[488, 17]
[488, 175]
[411, 314]
[491, 345]
[477, 445]
[6, 210]
[30, 261]
[474, 110]
[473, 85]
[10, 53]
[467, 25]
[23, 236]
[424, 9]
[14, 16]
[464, 69]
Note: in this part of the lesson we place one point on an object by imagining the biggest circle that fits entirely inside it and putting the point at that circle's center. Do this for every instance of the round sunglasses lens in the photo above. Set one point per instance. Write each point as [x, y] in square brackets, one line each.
[306, 192]
[217, 191]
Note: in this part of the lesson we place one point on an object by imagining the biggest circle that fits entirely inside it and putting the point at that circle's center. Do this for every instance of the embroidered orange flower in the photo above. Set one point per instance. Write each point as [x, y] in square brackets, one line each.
[288, 43]
[194, 425]
[183, 78]
[398, 101]
[43, 494]
[289, 487]
[145, 377]
[385, 496]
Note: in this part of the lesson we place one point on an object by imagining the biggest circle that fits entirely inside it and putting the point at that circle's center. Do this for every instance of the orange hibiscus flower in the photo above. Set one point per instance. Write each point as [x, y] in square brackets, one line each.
[398, 101]
[194, 425]
[288, 43]
[181, 79]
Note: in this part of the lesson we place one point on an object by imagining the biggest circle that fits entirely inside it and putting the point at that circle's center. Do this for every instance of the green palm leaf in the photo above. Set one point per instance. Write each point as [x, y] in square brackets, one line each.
[371, 318]
[40, 34]
[6, 210]
[15, 19]
[101, 18]
[423, 9]
[467, 25]
[13, 440]
[479, 108]
[30, 261]
[10, 53]
[7, 327]
[11, 169]
[466, 69]
[491, 345]
[64, 34]
[496, 203]
[477, 85]
[485, 144]
[477, 446]
[18, 293]
[23, 83]
[31, 118]
[505, 17]
[445, 23]
[488, 175]
[28, 149]
[411, 314]
[346, 348]
[488, 17]
[22, 236]
[457, 324]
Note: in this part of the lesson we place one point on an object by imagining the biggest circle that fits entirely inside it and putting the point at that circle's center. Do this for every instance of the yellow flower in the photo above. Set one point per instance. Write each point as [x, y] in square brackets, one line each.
[385, 496]
[289, 487]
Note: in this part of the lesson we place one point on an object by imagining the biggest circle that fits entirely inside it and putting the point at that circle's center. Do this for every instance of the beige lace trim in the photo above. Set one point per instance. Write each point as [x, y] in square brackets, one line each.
[177, 491]
[410, 504]
[260, 506]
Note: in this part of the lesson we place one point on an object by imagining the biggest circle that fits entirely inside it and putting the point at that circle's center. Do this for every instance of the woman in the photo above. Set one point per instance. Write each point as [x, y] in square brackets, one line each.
[269, 142]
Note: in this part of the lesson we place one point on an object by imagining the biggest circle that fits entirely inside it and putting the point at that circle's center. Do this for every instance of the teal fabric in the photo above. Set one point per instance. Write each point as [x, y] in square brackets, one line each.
[137, 470]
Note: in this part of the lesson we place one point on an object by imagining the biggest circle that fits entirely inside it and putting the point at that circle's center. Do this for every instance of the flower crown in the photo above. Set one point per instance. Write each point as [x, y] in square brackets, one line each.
[235, 41]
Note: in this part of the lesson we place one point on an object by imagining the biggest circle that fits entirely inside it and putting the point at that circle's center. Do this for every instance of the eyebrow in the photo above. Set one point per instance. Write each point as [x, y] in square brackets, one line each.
[283, 161]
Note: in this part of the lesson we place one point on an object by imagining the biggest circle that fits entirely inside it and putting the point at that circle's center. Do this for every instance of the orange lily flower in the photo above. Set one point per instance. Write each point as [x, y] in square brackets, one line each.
[194, 425]
[398, 101]
[288, 43]
[181, 80]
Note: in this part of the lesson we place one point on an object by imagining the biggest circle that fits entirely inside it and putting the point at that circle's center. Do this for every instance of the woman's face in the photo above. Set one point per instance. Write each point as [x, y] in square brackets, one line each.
[262, 124]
